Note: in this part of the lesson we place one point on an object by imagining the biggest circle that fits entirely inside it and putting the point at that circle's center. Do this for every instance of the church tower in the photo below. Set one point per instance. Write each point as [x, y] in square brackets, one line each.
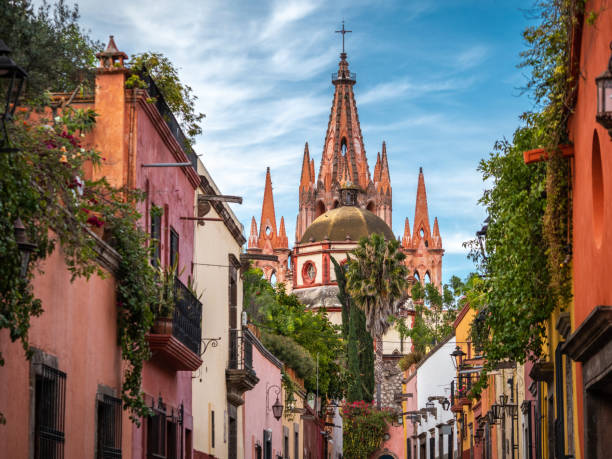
[343, 150]
[423, 248]
[269, 241]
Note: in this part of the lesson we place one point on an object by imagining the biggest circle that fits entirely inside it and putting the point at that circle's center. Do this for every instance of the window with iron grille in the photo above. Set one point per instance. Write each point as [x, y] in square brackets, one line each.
[156, 436]
[174, 247]
[155, 236]
[109, 427]
[50, 405]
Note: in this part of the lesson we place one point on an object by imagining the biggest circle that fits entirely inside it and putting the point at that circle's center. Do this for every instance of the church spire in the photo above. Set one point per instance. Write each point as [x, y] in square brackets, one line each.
[253, 235]
[437, 239]
[421, 213]
[306, 179]
[282, 240]
[385, 179]
[267, 223]
[406, 237]
[344, 141]
[377, 169]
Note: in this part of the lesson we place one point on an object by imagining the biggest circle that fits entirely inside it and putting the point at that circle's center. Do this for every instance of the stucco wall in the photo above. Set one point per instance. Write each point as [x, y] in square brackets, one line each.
[434, 376]
[213, 245]
[259, 417]
[79, 328]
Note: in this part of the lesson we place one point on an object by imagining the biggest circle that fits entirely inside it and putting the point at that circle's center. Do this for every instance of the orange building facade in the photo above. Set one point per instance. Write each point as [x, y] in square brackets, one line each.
[590, 341]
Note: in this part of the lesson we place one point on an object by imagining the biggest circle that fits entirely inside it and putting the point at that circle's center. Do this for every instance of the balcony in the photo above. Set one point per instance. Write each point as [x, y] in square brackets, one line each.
[240, 375]
[344, 76]
[176, 341]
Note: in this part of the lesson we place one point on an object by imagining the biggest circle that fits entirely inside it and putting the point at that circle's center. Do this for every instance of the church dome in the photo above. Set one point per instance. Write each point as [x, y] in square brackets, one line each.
[344, 221]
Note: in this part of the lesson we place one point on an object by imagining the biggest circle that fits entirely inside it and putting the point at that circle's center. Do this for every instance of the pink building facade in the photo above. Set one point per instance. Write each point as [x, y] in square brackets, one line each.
[65, 400]
[263, 433]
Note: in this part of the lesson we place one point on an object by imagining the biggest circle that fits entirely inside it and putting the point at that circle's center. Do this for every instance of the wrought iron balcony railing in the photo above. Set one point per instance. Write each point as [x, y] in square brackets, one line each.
[187, 318]
[241, 350]
[344, 76]
[170, 119]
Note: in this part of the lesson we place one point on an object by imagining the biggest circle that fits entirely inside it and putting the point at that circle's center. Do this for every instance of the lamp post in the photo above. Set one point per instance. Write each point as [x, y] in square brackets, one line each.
[11, 79]
[604, 97]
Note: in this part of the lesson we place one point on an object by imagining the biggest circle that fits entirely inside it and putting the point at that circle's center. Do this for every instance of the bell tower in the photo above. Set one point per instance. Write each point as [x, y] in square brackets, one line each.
[269, 241]
[344, 158]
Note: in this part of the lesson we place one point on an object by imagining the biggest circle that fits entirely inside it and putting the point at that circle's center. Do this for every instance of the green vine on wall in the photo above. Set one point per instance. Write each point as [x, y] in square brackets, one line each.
[526, 273]
[44, 185]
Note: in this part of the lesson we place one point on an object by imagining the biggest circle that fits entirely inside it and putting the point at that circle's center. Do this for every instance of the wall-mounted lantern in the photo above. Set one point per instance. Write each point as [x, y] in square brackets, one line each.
[604, 97]
[11, 79]
[277, 407]
[25, 246]
[457, 356]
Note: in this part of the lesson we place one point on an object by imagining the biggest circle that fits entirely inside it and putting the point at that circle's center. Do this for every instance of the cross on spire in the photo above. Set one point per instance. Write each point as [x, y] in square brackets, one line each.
[343, 32]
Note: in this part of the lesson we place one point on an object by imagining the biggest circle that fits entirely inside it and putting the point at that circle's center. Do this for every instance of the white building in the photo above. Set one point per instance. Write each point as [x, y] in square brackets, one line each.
[436, 430]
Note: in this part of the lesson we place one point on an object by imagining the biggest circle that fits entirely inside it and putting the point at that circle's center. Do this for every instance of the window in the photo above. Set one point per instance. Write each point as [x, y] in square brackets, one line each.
[309, 272]
[267, 446]
[212, 429]
[50, 405]
[156, 435]
[109, 427]
[286, 442]
[155, 234]
[174, 247]
[296, 441]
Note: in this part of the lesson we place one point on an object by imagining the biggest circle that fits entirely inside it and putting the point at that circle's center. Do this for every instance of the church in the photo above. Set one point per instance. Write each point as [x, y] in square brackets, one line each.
[339, 206]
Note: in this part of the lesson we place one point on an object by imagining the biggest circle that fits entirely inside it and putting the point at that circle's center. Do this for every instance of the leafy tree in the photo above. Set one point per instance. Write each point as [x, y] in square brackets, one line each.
[49, 44]
[516, 288]
[278, 313]
[376, 281]
[178, 96]
[359, 345]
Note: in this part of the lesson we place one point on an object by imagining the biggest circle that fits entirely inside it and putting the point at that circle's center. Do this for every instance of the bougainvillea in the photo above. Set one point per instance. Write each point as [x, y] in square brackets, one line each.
[363, 428]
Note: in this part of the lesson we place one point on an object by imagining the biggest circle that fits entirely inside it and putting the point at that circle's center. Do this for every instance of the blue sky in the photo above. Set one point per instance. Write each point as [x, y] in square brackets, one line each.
[436, 80]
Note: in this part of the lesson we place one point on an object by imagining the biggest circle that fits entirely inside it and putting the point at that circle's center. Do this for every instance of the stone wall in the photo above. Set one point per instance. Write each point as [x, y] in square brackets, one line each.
[392, 382]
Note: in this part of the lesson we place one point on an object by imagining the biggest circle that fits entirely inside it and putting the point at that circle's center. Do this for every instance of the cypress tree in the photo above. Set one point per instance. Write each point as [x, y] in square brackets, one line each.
[359, 347]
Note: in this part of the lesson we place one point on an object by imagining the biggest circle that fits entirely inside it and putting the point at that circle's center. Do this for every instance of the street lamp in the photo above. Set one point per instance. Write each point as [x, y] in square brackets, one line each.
[445, 404]
[277, 408]
[604, 97]
[25, 246]
[457, 356]
[11, 78]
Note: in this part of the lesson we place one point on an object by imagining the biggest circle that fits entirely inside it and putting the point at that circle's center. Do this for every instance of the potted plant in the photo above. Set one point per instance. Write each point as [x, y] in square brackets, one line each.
[163, 310]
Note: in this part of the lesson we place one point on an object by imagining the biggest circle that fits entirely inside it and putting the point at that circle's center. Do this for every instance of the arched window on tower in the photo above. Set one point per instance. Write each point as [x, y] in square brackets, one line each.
[273, 278]
[320, 208]
[427, 278]
[343, 146]
[417, 277]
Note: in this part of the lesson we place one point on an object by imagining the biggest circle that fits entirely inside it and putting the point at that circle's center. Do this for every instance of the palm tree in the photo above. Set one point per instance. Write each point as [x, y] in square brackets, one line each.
[376, 281]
